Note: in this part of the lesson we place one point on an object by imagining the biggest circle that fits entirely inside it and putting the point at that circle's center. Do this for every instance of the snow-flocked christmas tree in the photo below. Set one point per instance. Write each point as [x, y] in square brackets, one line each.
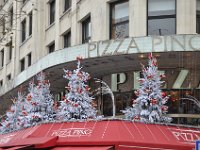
[11, 121]
[77, 104]
[40, 102]
[150, 103]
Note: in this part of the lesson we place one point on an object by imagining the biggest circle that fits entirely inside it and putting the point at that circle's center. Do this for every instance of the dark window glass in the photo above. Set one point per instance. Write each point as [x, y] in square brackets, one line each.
[52, 48]
[86, 30]
[67, 40]
[4, 26]
[10, 50]
[52, 11]
[29, 59]
[119, 20]
[30, 23]
[23, 25]
[67, 4]
[22, 63]
[198, 17]
[1, 83]
[161, 17]
[11, 17]
[2, 58]
[8, 77]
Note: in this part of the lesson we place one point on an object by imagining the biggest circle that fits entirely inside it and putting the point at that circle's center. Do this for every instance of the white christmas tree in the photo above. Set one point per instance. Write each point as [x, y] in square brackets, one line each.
[11, 121]
[150, 103]
[77, 104]
[40, 106]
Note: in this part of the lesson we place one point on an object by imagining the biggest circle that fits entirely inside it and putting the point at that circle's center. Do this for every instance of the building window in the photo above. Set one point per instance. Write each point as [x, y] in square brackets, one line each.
[9, 77]
[10, 50]
[52, 11]
[67, 39]
[119, 20]
[1, 83]
[161, 17]
[23, 25]
[2, 58]
[67, 5]
[86, 30]
[3, 26]
[29, 59]
[198, 17]
[11, 17]
[52, 48]
[30, 23]
[22, 64]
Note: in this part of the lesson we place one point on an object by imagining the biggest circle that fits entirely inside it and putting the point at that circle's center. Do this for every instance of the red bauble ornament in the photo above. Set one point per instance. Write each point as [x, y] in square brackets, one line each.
[79, 58]
[55, 105]
[137, 118]
[79, 90]
[24, 113]
[149, 77]
[150, 56]
[66, 101]
[162, 76]
[76, 105]
[87, 88]
[154, 62]
[173, 99]
[68, 73]
[34, 103]
[164, 94]
[164, 108]
[63, 97]
[29, 97]
[153, 101]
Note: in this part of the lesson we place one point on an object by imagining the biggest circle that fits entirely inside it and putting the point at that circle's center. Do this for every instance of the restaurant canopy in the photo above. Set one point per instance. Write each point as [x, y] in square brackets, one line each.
[102, 135]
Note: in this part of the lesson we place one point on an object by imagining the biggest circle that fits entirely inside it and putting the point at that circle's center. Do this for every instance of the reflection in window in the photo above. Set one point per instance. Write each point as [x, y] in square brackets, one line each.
[23, 27]
[52, 11]
[2, 58]
[30, 23]
[11, 17]
[67, 5]
[119, 20]
[198, 16]
[86, 30]
[10, 50]
[67, 39]
[161, 17]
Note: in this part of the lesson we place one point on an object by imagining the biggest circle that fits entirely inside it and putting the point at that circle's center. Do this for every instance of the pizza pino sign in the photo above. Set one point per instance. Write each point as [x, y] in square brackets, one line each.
[186, 136]
[72, 132]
